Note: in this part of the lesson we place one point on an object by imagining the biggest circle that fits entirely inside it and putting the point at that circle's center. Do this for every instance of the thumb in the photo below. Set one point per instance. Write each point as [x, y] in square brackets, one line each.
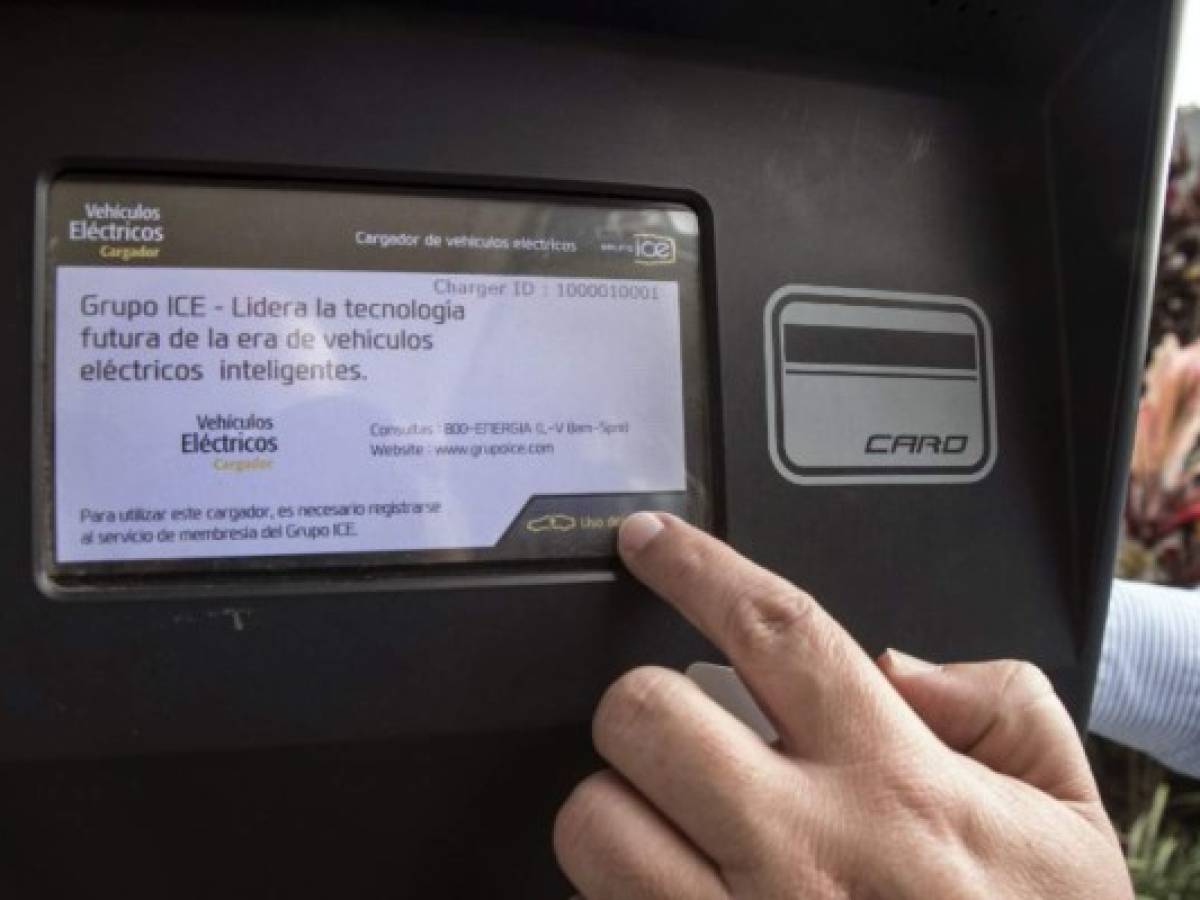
[1003, 714]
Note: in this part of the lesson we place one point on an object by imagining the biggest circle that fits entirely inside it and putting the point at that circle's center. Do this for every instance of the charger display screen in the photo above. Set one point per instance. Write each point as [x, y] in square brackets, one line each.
[258, 372]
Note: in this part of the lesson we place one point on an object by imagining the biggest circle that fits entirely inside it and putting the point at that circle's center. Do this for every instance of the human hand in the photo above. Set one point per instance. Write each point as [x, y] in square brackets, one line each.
[891, 780]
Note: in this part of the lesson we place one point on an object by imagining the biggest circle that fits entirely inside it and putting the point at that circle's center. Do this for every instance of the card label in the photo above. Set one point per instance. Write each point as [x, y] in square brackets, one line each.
[878, 387]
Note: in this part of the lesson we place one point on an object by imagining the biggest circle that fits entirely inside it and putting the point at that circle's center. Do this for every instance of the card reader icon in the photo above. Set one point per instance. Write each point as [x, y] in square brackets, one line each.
[552, 522]
[878, 387]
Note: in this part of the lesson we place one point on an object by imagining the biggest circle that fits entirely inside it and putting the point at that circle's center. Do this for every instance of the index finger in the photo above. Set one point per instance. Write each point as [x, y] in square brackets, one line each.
[821, 691]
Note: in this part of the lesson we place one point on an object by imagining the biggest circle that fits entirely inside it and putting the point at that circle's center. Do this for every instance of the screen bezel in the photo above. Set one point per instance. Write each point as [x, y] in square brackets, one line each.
[370, 570]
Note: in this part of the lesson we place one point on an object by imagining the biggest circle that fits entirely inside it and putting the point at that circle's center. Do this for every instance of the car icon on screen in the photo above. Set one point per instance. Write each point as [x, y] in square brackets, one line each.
[552, 522]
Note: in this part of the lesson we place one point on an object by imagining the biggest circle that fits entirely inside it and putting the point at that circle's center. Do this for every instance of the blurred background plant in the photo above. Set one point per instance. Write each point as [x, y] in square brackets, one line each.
[1162, 507]
[1156, 811]
[1163, 860]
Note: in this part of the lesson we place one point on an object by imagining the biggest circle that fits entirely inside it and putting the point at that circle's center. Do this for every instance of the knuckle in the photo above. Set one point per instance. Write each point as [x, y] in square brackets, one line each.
[923, 799]
[1022, 680]
[689, 564]
[758, 621]
[576, 822]
[1027, 701]
[631, 701]
[927, 794]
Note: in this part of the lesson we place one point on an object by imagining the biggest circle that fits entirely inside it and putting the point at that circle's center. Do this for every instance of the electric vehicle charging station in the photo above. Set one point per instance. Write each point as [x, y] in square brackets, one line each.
[338, 342]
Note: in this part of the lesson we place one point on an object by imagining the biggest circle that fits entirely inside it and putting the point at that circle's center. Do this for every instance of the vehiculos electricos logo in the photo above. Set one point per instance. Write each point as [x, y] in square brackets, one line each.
[125, 232]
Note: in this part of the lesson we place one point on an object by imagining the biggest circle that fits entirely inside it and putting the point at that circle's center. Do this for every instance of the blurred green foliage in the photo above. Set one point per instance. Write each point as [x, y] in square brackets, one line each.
[1157, 815]
[1164, 859]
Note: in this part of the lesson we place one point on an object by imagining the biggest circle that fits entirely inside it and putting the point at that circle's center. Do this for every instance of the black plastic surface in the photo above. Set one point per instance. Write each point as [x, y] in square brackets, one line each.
[1016, 193]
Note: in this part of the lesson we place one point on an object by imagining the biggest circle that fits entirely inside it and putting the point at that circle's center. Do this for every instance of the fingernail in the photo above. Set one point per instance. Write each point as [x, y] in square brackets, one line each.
[638, 530]
[903, 664]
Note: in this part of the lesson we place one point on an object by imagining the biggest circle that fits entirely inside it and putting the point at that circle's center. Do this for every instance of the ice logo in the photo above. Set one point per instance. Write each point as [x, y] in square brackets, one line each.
[653, 249]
